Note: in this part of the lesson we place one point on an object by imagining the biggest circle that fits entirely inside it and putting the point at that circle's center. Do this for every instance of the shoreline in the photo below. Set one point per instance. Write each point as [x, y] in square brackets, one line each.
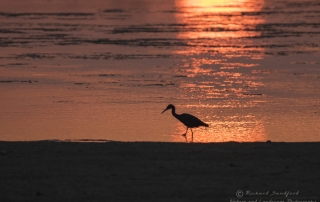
[156, 171]
[164, 142]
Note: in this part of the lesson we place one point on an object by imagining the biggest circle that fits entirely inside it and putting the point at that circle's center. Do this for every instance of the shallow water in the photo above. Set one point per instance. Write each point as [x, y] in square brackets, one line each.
[106, 70]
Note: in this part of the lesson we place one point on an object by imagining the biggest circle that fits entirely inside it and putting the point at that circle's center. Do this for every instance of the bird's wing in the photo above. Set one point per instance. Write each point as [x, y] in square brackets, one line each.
[191, 121]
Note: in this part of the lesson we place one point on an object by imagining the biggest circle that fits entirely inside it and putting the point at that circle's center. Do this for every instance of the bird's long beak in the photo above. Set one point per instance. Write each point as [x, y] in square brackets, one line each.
[164, 110]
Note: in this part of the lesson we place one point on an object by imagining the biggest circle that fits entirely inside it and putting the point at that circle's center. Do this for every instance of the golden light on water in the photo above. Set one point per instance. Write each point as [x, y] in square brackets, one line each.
[223, 127]
[107, 70]
[218, 18]
[219, 34]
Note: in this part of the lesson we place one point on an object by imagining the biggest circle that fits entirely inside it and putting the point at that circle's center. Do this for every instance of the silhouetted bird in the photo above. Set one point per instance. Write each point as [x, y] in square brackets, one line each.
[187, 119]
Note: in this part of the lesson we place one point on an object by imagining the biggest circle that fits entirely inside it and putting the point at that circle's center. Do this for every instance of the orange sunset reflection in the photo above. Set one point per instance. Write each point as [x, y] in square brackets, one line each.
[218, 18]
[224, 22]
[247, 130]
[225, 124]
[215, 70]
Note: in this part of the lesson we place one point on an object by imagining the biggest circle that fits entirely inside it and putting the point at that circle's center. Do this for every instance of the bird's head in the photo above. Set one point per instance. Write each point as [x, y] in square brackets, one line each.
[170, 106]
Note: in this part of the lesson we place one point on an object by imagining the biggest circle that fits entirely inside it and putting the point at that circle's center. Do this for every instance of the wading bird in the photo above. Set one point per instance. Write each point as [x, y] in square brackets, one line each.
[187, 119]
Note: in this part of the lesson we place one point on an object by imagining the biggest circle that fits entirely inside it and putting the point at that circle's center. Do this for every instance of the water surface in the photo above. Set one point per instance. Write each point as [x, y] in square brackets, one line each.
[105, 70]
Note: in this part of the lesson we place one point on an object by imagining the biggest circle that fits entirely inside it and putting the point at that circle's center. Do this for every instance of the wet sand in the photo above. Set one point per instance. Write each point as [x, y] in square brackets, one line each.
[151, 171]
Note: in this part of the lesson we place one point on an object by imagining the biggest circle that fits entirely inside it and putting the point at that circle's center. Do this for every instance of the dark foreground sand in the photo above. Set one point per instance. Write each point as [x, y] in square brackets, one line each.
[144, 171]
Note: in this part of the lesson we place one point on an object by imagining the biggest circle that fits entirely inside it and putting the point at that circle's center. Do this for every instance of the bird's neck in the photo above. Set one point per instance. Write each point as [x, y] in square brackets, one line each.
[174, 112]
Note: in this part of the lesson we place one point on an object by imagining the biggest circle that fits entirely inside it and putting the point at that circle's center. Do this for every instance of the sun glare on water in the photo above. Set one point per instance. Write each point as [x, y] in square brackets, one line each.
[218, 28]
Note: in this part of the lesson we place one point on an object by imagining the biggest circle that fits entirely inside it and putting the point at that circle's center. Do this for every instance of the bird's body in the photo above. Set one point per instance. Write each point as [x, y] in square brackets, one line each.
[188, 120]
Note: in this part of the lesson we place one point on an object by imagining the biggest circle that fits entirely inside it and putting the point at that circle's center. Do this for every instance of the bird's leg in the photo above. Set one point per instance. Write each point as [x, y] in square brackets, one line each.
[185, 134]
[192, 133]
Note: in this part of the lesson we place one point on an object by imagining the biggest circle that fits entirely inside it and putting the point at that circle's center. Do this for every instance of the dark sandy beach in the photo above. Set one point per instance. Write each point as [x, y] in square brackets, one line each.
[147, 171]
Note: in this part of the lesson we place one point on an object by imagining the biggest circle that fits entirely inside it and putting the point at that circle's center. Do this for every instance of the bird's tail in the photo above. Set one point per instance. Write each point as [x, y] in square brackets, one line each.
[206, 125]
